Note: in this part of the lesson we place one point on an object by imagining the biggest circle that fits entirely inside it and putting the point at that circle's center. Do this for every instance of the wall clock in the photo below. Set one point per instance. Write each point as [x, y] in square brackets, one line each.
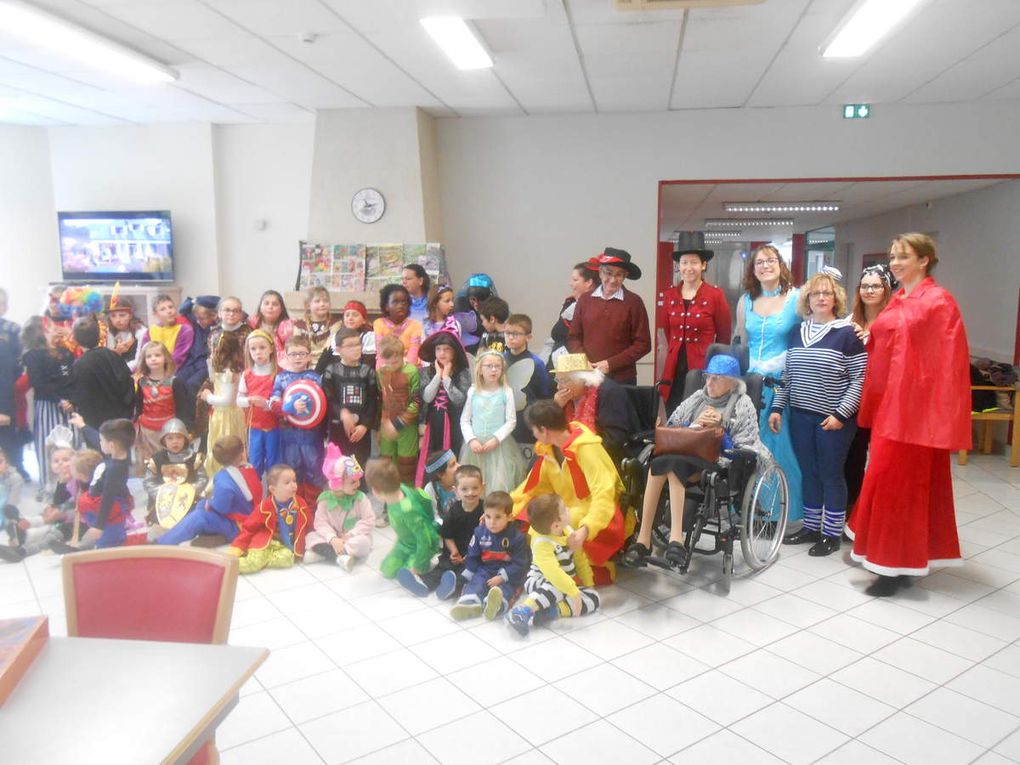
[368, 205]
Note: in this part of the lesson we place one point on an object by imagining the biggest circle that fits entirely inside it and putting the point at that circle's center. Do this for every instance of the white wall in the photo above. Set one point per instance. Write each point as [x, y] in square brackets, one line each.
[359, 148]
[29, 246]
[979, 238]
[150, 167]
[529, 196]
[262, 174]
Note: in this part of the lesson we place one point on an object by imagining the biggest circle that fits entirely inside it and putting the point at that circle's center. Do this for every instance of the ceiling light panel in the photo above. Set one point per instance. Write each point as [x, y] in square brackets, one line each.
[458, 41]
[867, 23]
[748, 222]
[780, 207]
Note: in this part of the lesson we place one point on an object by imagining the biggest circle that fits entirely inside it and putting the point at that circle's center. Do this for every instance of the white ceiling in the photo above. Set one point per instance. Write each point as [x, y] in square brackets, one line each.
[242, 60]
[684, 207]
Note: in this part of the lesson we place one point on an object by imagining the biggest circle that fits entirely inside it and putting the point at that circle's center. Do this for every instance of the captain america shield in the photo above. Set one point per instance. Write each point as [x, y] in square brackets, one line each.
[315, 401]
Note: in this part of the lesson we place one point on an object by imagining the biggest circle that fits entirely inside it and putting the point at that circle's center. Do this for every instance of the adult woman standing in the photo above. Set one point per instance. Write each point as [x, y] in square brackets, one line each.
[916, 401]
[583, 278]
[693, 315]
[873, 295]
[417, 283]
[766, 313]
[822, 386]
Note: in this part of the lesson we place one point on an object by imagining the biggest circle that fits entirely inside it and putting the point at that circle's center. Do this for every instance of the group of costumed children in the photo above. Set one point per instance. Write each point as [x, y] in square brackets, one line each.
[275, 389]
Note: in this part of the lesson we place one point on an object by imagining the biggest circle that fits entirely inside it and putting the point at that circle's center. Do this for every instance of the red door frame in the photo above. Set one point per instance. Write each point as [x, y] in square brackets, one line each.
[839, 179]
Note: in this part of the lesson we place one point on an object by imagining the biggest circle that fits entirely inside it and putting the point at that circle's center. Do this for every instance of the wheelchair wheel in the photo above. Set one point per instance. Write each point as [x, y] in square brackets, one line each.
[763, 517]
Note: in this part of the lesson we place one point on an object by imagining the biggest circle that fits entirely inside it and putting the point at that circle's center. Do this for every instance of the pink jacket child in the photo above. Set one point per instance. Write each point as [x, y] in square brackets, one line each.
[344, 519]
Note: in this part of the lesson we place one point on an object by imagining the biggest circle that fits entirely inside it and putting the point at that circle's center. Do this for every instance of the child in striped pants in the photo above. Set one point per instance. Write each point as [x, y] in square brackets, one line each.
[551, 589]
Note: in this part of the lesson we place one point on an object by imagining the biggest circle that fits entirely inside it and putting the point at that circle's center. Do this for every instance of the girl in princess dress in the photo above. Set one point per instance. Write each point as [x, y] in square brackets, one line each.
[159, 397]
[487, 422]
[226, 365]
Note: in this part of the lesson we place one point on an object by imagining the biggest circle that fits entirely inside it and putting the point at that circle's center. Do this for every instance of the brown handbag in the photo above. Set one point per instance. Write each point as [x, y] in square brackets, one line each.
[705, 443]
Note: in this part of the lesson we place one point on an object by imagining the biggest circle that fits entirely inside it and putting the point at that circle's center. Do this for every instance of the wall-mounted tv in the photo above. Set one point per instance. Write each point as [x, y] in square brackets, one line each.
[112, 246]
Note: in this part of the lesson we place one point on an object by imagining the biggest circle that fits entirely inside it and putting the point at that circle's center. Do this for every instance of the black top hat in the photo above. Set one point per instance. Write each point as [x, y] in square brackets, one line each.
[427, 351]
[620, 258]
[692, 243]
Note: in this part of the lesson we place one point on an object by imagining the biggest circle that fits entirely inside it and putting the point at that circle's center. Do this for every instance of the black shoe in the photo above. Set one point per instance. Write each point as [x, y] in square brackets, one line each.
[636, 556]
[802, 537]
[676, 554]
[63, 548]
[824, 546]
[883, 587]
[12, 554]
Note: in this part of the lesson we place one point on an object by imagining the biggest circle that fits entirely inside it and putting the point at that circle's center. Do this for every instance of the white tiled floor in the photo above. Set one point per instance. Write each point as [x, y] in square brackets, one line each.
[793, 665]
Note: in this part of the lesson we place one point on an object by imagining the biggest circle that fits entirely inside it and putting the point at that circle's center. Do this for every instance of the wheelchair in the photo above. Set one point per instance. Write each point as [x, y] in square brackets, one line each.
[745, 501]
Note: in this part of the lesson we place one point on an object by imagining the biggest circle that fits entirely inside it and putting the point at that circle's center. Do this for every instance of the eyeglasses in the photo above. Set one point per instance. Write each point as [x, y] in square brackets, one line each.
[766, 262]
[871, 288]
[298, 354]
[822, 294]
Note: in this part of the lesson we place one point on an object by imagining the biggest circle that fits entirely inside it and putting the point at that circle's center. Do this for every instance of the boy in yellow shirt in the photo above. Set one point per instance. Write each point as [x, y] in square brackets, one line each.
[551, 589]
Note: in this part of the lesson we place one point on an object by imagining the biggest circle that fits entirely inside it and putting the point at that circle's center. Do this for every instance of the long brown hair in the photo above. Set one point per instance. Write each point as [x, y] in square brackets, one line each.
[881, 273]
[751, 283]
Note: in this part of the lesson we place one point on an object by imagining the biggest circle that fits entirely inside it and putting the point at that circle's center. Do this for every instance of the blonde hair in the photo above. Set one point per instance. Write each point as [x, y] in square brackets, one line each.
[310, 295]
[169, 366]
[922, 245]
[820, 279]
[249, 362]
[478, 368]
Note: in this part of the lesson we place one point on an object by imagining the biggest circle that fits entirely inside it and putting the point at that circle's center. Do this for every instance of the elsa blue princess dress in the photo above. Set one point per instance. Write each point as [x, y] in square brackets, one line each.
[767, 344]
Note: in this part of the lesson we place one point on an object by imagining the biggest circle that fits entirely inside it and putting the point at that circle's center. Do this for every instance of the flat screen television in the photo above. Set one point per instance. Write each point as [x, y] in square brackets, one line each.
[112, 246]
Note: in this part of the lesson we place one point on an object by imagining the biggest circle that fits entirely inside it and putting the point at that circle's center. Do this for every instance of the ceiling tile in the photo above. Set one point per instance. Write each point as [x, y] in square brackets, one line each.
[349, 60]
[177, 20]
[278, 112]
[281, 17]
[55, 110]
[299, 85]
[983, 72]
[221, 86]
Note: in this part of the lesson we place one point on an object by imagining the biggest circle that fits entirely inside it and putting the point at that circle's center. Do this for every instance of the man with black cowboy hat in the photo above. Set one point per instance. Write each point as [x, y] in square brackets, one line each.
[611, 323]
[693, 315]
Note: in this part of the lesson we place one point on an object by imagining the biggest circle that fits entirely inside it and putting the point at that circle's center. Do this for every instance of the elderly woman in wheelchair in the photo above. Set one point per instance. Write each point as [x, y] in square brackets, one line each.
[729, 504]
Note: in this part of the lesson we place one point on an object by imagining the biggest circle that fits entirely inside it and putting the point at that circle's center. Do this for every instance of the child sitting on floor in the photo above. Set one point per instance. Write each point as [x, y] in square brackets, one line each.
[458, 526]
[177, 450]
[441, 486]
[410, 514]
[273, 536]
[107, 505]
[236, 492]
[496, 562]
[550, 588]
[344, 518]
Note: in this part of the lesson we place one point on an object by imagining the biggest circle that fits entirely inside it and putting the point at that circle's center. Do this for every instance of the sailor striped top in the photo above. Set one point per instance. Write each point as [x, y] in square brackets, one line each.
[824, 370]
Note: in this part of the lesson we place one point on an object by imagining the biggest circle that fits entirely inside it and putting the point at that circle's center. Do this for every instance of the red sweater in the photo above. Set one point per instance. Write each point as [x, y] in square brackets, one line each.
[611, 330]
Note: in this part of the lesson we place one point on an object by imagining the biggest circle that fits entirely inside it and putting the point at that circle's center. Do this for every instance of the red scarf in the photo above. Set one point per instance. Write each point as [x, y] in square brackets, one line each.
[586, 410]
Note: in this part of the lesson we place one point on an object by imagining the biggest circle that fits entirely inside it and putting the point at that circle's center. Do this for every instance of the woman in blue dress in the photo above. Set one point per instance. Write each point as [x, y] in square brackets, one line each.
[766, 313]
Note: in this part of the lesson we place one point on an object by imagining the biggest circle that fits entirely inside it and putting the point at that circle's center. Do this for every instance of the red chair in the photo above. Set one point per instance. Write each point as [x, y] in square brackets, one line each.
[173, 594]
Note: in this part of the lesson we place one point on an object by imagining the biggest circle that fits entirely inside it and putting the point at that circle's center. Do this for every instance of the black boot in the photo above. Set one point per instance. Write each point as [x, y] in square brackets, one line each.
[12, 554]
[824, 546]
[326, 551]
[802, 537]
[883, 587]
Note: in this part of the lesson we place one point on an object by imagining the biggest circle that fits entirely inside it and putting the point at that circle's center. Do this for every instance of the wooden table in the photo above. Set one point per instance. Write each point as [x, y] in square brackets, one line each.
[87, 700]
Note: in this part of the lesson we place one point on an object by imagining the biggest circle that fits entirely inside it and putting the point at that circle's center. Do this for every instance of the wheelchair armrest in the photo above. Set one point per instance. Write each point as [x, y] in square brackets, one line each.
[642, 437]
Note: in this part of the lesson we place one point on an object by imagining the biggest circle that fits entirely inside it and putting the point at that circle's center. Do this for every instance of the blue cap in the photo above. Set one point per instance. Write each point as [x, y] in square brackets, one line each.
[724, 365]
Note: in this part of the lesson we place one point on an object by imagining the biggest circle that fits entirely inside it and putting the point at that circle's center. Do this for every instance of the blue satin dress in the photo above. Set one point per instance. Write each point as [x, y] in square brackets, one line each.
[767, 343]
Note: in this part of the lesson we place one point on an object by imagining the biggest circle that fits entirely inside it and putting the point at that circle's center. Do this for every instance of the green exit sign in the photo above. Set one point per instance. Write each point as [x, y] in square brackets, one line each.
[856, 111]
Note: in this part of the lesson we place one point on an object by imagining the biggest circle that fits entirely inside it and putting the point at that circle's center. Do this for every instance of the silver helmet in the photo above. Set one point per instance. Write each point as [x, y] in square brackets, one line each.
[173, 425]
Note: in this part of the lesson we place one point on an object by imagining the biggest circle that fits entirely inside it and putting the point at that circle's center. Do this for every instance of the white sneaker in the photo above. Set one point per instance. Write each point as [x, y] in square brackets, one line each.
[346, 562]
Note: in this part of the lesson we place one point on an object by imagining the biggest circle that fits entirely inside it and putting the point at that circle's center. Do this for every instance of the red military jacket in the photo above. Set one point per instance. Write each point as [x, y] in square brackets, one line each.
[259, 528]
[707, 321]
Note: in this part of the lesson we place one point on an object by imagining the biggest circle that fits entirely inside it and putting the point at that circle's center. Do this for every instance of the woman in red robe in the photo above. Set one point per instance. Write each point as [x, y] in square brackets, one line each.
[916, 401]
[693, 315]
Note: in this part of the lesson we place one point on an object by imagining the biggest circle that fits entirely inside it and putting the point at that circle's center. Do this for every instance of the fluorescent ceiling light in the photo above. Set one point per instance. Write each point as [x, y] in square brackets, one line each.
[865, 25]
[70, 41]
[719, 235]
[455, 37]
[780, 207]
[748, 222]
